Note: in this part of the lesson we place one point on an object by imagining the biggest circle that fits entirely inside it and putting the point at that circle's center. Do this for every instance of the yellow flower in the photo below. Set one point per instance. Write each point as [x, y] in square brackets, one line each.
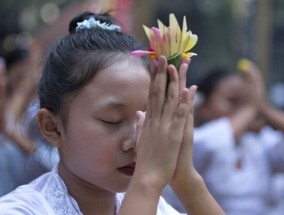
[172, 42]
[243, 65]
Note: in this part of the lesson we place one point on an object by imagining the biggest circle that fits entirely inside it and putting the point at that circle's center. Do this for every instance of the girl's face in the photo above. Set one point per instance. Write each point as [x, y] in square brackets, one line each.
[226, 98]
[98, 143]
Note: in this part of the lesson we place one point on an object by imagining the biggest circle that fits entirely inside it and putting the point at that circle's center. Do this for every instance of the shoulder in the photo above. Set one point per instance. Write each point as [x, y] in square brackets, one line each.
[32, 198]
[24, 201]
[216, 133]
[217, 125]
[271, 137]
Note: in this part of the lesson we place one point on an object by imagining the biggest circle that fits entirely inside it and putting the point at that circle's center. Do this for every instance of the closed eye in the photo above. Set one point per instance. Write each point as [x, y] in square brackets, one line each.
[112, 122]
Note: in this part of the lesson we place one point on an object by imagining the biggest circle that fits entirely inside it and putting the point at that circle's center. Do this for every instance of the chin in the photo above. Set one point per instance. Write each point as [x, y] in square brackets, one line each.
[122, 187]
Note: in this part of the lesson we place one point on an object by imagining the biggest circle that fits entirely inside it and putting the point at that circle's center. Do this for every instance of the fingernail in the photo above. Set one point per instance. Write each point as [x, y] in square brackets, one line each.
[138, 113]
[171, 69]
[194, 87]
[185, 65]
[161, 58]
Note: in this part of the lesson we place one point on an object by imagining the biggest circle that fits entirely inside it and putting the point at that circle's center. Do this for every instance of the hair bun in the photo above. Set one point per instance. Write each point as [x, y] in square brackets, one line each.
[103, 18]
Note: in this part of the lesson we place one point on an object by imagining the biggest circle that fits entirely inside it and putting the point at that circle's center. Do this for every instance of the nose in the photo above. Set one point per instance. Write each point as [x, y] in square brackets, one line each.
[131, 138]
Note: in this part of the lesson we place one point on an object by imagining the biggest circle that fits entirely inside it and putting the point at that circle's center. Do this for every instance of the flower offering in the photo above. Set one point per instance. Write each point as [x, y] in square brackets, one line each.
[172, 41]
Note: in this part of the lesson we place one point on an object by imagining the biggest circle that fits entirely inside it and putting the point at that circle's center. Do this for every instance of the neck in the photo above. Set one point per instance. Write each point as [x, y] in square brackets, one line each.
[91, 199]
[200, 117]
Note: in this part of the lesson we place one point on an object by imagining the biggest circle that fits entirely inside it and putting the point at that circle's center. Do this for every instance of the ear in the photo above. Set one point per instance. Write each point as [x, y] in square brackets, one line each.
[49, 125]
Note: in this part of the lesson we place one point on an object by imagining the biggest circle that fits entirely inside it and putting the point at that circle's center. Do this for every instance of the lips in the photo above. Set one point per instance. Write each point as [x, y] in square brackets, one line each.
[128, 170]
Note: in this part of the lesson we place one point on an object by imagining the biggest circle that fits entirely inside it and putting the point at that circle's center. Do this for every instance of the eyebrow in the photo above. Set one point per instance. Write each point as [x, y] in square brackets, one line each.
[114, 104]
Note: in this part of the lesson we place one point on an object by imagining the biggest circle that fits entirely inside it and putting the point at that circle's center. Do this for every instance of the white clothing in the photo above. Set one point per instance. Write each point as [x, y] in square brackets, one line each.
[277, 195]
[48, 195]
[239, 191]
[16, 167]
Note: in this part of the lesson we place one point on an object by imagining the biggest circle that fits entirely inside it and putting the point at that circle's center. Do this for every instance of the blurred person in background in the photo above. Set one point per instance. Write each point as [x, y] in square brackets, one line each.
[19, 161]
[2, 93]
[239, 141]
[237, 137]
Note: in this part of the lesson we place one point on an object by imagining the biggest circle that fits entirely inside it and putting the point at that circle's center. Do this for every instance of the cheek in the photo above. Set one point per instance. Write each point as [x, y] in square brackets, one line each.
[94, 137]
[91, 150]
[220, 107]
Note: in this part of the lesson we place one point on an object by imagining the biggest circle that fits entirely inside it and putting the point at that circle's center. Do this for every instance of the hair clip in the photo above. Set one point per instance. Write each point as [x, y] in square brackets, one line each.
[93, 23]
[172, 42]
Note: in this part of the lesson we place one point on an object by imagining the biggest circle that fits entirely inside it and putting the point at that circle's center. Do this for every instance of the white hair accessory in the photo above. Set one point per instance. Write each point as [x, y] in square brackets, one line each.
[93, 23]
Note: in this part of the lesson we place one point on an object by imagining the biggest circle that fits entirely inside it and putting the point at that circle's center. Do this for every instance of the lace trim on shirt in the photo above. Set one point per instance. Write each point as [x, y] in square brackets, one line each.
[62, 203]
[59, 199]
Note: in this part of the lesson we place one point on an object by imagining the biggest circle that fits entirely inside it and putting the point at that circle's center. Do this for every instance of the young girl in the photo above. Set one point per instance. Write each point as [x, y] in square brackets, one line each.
[113, 159]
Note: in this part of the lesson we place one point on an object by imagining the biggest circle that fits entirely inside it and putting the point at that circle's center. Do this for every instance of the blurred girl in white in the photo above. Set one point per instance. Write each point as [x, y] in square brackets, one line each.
[237, 139]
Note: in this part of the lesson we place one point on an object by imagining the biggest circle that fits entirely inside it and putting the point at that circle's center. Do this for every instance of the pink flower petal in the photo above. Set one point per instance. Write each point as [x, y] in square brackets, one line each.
[157, 32]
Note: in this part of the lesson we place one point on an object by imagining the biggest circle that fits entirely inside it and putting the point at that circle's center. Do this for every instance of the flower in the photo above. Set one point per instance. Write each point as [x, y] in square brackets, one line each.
[172, 42]
[243, 65]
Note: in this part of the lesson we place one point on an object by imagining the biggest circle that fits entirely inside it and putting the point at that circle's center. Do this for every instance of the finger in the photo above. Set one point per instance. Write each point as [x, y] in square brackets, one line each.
[186, 60]
[140, 122]
[180, 117]
[256, 73]
[172, 98]
[192, 92]
[153, 72]
[182, 76]
[188, 130]
[158, 92]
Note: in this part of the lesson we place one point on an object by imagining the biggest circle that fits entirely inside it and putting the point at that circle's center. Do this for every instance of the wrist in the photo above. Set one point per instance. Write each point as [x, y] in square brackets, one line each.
[141, 197]
[7, 131]
[146, 186]
[264, 108]
[188, 182]
[148, 183]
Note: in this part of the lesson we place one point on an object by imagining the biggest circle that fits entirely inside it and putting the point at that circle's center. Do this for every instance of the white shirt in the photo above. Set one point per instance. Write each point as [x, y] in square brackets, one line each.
[48, 195]
[241, 191]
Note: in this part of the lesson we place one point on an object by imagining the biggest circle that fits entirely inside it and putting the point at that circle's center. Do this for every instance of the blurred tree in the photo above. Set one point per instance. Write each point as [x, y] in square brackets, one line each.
[142, 13]
[263, 35]
[277, 53]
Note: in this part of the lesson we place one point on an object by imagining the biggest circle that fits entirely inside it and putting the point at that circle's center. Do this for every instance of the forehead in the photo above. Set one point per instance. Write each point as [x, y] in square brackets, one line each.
[124, 81]
[122, 71]
[231, 82]
[231, 86]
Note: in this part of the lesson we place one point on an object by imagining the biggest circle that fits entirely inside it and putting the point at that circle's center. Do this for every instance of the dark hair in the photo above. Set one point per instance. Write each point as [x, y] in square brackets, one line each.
[212, 78]
[16, 55]
[76, 58]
